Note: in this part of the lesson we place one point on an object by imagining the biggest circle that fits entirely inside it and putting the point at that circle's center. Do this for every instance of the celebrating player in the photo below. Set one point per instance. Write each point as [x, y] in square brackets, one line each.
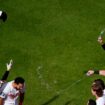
[12, 91]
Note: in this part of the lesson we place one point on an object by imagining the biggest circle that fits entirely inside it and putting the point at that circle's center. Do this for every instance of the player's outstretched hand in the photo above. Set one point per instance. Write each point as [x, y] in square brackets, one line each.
[9, 65]
[90, 72]
[100, 40]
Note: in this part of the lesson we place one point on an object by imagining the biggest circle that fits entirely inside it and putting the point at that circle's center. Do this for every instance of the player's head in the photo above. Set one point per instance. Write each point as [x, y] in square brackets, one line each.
[99, 82]
[19, 83]
[91, 102]
[97, 90]
[3, 16]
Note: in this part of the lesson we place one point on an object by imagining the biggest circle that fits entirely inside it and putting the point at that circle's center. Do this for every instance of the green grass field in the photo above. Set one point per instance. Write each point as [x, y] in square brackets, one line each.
[52, 42]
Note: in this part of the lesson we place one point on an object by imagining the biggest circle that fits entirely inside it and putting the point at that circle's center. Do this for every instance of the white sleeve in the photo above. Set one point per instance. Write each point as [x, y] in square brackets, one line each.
[5, 92]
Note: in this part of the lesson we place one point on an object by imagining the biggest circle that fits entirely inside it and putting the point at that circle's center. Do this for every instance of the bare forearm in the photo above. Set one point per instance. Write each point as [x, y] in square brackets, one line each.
[102, 72]
[1, 101]
[99, 72]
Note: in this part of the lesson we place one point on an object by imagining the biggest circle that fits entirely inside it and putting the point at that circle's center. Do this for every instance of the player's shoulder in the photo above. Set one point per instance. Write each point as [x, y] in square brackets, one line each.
[101, 100]
[9, 85]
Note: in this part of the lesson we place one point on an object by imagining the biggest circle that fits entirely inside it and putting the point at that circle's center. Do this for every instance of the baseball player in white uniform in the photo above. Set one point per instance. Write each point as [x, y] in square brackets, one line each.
[97, 91]
[12, 91]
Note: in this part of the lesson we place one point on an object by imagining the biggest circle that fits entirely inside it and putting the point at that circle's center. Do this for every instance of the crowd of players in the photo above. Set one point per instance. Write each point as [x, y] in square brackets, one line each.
[11, 93]
[98, 85]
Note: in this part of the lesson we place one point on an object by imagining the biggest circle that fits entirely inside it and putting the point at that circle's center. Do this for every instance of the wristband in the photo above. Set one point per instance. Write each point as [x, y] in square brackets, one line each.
[96, 72]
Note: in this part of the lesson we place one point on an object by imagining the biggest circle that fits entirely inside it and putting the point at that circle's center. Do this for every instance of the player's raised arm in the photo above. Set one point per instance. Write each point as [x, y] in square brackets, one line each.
[9, 66]
[99, 72]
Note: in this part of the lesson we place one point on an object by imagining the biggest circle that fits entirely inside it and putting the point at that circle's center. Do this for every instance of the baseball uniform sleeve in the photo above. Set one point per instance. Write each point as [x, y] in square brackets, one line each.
[5, 92]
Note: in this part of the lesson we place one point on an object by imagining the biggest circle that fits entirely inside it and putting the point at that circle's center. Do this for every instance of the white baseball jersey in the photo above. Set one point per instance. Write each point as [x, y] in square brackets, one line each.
[10, 94]
[101, 100]
[104, 91]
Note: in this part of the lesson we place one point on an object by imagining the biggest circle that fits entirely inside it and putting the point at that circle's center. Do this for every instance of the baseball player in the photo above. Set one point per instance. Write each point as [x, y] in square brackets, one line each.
[13, 90]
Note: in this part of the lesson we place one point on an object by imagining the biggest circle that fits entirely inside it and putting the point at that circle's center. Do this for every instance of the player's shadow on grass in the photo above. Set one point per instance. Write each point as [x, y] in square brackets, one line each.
[51, 100]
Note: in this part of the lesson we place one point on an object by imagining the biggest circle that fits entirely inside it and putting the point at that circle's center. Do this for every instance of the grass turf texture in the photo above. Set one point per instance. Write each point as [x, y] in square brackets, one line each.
[61, 36]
